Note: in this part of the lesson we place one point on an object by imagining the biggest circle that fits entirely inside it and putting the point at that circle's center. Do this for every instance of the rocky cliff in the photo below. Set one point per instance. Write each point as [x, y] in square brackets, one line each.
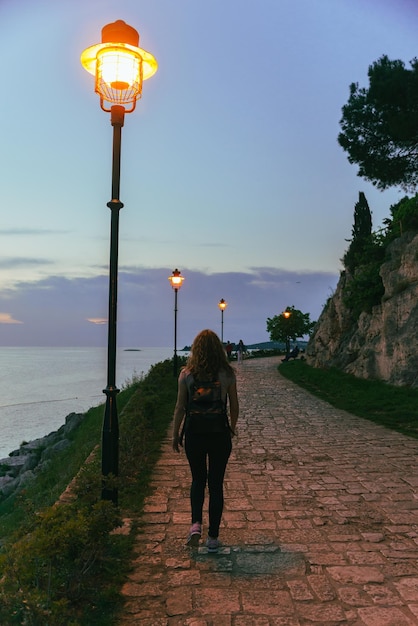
[381, 345]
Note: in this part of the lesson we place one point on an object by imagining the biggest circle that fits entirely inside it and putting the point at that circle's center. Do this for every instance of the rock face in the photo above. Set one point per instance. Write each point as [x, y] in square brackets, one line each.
[381, 345]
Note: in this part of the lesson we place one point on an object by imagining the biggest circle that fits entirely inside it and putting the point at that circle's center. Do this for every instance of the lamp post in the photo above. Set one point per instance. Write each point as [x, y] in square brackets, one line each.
[222, 305]
[119, 67]
[286, 315]
[176, 280]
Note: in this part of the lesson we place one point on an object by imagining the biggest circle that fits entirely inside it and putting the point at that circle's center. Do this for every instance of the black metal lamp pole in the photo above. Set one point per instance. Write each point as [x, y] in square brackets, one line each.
[222, 325]
[287, 315]
[110, 433]
[176, 281]
[222, 306]
[175, 369]
[119, 66]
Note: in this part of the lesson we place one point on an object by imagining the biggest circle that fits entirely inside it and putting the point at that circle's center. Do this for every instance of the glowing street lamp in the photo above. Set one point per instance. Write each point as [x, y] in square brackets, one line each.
[119, 67]
[176, 280]
[222, 305]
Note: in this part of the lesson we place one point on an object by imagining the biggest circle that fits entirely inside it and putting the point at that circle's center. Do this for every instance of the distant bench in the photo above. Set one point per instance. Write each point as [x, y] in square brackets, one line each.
[293, 354]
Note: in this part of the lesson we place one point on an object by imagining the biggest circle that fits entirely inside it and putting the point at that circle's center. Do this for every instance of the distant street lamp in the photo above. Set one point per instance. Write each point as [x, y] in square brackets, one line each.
[119, 67]
[222, 305]
[176, 280]
[287, 314]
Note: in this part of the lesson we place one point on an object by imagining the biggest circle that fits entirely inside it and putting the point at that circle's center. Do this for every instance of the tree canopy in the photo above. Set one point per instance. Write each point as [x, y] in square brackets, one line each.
[380, 125]
[291, 324]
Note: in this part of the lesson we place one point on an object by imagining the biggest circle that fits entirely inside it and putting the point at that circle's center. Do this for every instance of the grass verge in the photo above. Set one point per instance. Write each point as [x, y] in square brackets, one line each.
[62, 565]
[392, 407]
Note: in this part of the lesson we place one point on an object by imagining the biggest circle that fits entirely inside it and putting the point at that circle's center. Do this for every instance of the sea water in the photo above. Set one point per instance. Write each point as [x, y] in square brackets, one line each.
[41, 386]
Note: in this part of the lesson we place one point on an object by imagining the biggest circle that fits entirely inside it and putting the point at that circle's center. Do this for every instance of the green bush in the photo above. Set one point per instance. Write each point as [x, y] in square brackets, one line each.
[56, 566]
[364, 290]
[404, 216]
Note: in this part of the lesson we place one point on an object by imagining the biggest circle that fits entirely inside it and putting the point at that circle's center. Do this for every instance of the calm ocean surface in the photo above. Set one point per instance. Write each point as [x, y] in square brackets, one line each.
[41, 386]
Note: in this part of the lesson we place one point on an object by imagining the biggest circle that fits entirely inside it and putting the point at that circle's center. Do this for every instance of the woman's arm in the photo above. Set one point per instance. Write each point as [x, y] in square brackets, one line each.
[233, 405]
[179, 411]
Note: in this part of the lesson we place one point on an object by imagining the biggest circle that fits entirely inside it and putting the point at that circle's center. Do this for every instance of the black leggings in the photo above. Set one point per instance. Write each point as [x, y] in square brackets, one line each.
[208, 456]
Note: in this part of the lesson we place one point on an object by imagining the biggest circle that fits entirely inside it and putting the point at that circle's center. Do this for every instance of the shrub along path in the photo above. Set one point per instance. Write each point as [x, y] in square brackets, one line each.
[320, 523]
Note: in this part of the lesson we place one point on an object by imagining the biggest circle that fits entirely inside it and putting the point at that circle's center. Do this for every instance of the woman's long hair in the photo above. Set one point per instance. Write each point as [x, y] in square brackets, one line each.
[208, 356]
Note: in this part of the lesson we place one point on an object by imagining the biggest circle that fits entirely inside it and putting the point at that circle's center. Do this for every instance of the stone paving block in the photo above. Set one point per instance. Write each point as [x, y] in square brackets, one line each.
[299, 590]
[249, 620]
[327, 558]
[179, 601]
[383, 594]
[408, 588]
[385, 616]
[358, 575]
[354, 596]
[142, 589]
[144, 608]
[215, 579]
[284, 621]
[276, 603]
[145, 574]
[189, 621]
[365, 558]
[321, 587]
[321, 614]
[177, 578]
[217, 600]
[157, 507]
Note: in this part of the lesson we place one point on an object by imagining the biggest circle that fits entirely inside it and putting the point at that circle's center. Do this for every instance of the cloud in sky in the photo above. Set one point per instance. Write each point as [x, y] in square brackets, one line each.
[29, 231]
[97, 320]
[8, 263]
[6, 318]
[73, 312]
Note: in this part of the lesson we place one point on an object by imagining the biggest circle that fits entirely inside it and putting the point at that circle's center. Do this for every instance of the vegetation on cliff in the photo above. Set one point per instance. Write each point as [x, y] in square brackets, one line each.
[368, 250]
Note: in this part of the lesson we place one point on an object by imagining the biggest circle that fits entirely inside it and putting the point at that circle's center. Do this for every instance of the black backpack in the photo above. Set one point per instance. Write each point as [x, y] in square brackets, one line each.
[206, 411]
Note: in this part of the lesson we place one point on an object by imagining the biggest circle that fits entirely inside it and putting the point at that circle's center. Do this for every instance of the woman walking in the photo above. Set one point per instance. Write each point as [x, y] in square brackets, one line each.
[206, 386]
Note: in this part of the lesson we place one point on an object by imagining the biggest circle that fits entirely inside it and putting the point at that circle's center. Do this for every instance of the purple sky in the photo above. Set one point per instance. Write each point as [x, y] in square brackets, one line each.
[231, 170]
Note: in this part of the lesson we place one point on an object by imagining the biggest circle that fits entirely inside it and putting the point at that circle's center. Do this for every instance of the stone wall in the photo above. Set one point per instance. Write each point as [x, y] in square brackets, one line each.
[381, 345]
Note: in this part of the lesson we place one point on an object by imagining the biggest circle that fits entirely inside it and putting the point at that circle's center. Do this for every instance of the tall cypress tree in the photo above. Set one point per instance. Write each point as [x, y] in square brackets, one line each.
[361, 232]
[362, 227]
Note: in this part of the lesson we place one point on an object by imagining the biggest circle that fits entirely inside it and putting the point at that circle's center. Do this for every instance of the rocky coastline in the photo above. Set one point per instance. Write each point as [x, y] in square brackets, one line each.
[24, 463]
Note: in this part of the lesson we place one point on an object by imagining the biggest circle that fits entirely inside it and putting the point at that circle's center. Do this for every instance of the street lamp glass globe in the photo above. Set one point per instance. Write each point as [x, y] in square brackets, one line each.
[176, 279]
[119, 65]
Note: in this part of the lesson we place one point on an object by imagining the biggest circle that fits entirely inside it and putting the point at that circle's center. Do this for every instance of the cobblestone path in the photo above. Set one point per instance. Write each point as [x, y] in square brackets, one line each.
[320, 523]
